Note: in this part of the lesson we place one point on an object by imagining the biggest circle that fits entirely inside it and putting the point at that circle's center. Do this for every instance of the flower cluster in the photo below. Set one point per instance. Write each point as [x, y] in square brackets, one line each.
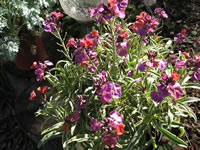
[161, 13]
[121, 40]
[73, 117]
[40, 68]
[167, 85]
[83, 50]
[145, 24]
[107, 90]
[51, 22]
[149, 74]
[153, 62]
[110, 128]
[108, 11]
[180, 37]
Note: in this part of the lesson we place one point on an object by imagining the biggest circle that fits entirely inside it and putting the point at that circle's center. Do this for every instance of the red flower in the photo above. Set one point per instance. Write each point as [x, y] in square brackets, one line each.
[32, 95]
[141, 16]
[34, 65]
[105, 44]
[112, 2]
[64, 126]
[57, 15]
[175, 76]
[183, 31]
[185, 54]
[120, 129]
[94, 33]
[70, 43]
[84, 63]
[124, 34]
[87, 42]
[42, 89]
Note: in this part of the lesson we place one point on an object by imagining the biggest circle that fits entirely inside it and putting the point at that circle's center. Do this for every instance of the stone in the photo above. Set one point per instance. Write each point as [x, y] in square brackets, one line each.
[78, 9]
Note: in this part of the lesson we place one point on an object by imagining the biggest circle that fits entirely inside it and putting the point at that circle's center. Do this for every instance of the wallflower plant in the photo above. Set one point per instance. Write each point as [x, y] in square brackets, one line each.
[121, 86]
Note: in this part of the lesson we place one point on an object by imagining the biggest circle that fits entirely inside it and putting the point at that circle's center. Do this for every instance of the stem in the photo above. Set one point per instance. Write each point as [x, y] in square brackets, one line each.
[138, 55]
[114, 49]
[57, 35]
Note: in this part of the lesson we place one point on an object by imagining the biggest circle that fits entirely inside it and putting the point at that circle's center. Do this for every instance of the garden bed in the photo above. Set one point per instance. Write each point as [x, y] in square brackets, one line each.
[15, 82]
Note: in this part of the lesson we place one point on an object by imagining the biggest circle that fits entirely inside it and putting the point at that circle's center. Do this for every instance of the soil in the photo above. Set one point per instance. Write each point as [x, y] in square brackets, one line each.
[13, 81]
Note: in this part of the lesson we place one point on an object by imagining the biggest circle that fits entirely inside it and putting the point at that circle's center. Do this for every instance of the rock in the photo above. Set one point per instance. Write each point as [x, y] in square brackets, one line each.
[78, 9]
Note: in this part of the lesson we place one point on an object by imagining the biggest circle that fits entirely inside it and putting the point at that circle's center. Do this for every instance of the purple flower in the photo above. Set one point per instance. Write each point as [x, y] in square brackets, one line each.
[108, 91]
[82, 56]
[49, 26]
[156, 96]
[95, 125]
[122, 48]
[80, 102]
[162, 64]
[116, 91]
[172, 59]
[152, 55]
[100, 79]
[130, 73]
[180, 37]
[196, 76]
[180, 63]
[73, 117]
[161, 94]
[162, 89]
[106, 97]
[97, 10]
[145, 40]
[39, 74]
[142, 66]
[160, 12]
[110, 140]
[175, 89]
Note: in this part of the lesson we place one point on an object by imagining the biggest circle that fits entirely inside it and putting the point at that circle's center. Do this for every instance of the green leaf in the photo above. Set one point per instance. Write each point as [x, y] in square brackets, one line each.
[54, 127]
[188, 100]
[79, 138]
[171, 136]
[191, 85]
[48, 136]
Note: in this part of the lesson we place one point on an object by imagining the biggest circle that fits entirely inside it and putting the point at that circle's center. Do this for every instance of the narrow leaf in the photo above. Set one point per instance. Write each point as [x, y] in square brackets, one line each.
[188, 100]
[191, 85]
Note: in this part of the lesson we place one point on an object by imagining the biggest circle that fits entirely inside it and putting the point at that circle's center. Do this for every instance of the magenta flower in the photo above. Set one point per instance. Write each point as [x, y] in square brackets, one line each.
[39, 74]
[51, 22]
[40, 69]
[180, 63]
[80, 55]
[116, 118]
[162, 90]
[196, 76]
[175, 89]
[95, 125]
[160, 12]
[100, 79]
[145, 24]
[73, 117]
[162, 64]
[180, 37]
[130, 73]
[161, 94]
[109, 91]
[110, 140]
[122, 48]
